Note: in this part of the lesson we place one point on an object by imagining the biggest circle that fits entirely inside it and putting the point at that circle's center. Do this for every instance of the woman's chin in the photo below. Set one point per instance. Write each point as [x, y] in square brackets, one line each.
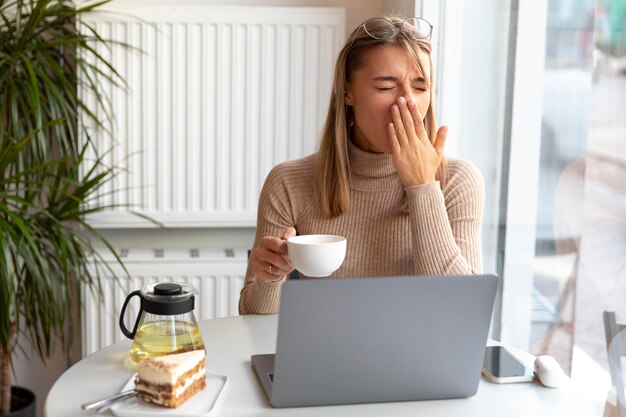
[383, 149]
[372, 147]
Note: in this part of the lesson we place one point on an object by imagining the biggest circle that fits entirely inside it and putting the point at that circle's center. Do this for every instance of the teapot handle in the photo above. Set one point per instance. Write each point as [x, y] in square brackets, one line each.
[126, 332]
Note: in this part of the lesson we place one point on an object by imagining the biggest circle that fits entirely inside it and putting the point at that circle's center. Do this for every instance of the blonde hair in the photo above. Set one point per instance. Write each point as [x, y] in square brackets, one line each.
[333, 163]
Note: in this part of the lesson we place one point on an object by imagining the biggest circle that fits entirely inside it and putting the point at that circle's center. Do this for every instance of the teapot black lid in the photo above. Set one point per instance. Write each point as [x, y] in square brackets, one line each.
[168, 299]
[168, 288]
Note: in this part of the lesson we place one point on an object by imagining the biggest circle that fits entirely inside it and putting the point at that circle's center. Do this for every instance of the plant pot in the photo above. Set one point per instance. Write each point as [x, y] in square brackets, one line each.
[22, 403]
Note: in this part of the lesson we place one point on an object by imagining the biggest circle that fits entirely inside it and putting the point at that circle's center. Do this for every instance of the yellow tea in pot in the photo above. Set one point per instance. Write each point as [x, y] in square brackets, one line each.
[162, 337]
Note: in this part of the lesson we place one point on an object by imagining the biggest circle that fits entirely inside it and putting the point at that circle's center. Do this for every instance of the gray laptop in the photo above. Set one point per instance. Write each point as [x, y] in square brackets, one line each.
[364, 340]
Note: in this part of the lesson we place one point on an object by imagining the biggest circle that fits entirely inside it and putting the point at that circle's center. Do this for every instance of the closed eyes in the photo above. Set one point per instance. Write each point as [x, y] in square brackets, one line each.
[391, 88]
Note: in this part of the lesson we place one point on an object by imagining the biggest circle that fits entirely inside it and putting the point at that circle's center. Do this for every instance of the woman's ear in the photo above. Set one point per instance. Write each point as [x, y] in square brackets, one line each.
[347, 96]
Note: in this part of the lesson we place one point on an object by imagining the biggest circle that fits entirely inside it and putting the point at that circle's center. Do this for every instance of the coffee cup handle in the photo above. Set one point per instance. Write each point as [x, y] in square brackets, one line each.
[128, 333]
[295, 274]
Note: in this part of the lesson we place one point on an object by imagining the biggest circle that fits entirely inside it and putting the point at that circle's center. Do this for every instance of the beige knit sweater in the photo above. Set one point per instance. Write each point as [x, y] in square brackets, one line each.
[439, 234]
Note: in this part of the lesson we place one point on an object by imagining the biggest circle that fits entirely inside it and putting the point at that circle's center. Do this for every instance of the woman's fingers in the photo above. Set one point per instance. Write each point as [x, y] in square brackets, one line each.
[268, 258]
[440, 140]
[393, 139]
[407, 118]
[418, 121]
[269, 265]
[289, 232]
[408, 122]
[400, 132]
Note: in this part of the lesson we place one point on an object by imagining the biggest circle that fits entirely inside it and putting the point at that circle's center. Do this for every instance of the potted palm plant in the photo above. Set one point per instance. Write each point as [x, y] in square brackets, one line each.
[49, 175]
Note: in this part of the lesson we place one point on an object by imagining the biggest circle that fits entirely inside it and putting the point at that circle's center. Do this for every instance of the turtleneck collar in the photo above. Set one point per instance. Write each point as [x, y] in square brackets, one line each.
[371, 171]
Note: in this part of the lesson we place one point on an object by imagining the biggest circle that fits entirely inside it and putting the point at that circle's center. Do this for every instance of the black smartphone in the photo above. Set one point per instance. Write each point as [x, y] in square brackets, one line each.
[501, 366]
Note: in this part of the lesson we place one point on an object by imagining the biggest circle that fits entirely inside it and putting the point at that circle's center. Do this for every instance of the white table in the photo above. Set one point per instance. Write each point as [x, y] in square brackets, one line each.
[229, 344]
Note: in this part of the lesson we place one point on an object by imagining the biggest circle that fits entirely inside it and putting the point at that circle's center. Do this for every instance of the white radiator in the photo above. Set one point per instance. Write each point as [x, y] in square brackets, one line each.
[218, 96]
[217, 275]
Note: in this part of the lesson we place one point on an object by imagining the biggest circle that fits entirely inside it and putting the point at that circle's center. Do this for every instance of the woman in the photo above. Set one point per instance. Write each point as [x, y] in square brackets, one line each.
[379, 177]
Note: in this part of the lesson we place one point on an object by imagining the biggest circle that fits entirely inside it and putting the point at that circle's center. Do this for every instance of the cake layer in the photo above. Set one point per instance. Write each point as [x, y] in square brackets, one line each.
[167, 369]
[171, 400]
[181, 384]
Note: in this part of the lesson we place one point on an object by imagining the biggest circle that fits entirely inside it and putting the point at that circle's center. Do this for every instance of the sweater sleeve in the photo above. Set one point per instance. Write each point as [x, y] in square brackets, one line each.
[273, 217]
[446, 226]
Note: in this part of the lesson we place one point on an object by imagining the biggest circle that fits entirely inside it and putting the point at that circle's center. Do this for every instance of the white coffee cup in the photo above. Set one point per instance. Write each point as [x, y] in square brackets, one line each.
[316, 255]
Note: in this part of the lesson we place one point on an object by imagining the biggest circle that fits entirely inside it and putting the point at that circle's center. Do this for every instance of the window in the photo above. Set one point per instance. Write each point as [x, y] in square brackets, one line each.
[534, 93]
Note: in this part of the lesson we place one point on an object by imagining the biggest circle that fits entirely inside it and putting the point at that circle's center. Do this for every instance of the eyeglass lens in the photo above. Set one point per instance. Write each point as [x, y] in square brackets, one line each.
[380, 28]
[422, 26]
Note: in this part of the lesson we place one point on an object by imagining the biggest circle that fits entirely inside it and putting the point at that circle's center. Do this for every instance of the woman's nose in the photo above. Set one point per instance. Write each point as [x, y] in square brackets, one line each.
[407, 93]
[406, 97]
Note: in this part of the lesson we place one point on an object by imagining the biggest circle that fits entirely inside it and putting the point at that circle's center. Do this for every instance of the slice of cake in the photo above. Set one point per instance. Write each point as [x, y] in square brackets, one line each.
[171, 380]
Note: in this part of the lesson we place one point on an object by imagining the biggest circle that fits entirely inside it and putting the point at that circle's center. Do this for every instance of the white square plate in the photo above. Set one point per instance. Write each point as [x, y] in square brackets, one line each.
[201, 404]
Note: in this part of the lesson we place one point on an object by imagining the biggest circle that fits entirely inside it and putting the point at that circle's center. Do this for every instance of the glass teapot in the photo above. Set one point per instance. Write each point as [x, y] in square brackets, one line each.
[165, 323]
